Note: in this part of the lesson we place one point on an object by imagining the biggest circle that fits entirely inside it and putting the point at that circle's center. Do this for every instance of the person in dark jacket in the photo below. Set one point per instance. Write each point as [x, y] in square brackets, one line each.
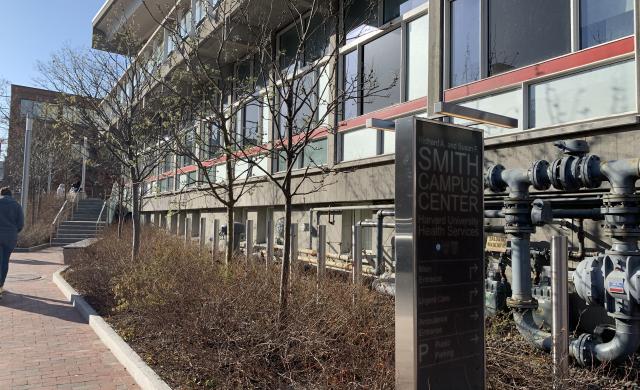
[11, 223]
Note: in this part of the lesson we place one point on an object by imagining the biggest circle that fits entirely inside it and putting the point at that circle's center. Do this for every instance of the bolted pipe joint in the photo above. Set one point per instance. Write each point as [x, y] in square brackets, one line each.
[518, 181]
[621, 174]
[588, 279]
[625, 343]
[570, 173]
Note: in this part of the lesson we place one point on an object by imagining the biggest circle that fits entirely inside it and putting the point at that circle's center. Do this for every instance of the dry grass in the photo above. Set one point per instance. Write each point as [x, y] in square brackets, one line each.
[37, 233]
[203, 325]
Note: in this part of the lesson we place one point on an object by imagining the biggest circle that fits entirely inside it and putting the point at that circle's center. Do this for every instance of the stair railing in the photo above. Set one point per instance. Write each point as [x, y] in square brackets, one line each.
[104, 205]
[56, 221]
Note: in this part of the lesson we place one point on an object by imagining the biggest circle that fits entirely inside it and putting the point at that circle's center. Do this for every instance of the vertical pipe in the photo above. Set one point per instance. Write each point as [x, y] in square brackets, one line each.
[560, 322]
[356, 253]
[187, 230]
[521, 268]
[203, 232]
[379, 246]
[294, 249]
[215, 239]
[269, 242]
[25, 165]
[249, 240]
[322, 251]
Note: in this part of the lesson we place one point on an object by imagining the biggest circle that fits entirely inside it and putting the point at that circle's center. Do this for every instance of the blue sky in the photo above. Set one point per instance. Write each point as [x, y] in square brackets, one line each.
[30, 30]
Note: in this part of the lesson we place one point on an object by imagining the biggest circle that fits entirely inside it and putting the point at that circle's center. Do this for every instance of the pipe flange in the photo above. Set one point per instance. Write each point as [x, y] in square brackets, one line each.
[589, 171]
[581, 349]
[522, 305]
[494, 180]
[621, 231]
[539, 175]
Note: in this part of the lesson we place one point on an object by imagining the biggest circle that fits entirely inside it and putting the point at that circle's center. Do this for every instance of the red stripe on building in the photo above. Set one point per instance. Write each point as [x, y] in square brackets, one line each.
[385, 113]
[555, 65]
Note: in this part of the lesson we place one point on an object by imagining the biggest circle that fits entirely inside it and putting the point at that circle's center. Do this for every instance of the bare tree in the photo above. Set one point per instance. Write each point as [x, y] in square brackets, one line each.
[116, 103]
[223, 75]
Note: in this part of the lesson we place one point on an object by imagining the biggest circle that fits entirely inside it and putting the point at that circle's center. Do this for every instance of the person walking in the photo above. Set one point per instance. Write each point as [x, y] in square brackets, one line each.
[11, 223]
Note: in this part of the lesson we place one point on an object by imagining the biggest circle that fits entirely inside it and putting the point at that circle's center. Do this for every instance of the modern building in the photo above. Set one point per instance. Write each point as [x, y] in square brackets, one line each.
[564, 68]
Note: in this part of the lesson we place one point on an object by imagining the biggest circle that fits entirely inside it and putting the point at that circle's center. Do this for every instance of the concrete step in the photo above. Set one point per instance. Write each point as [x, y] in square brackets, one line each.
[65, 241]
[61, 236]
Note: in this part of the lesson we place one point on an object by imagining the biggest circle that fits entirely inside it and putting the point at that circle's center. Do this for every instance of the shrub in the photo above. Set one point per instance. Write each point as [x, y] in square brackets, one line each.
[38, 221]
[201, 324]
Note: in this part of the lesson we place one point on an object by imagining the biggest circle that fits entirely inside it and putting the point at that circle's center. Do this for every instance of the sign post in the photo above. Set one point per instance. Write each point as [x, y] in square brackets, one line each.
[439, 256]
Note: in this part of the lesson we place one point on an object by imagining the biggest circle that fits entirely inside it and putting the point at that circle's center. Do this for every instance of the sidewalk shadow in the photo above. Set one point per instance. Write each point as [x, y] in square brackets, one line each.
[33, 262]
[37, 305]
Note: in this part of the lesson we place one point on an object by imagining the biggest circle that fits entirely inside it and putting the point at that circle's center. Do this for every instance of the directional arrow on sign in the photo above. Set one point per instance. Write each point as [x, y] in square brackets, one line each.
[474, 315]
[472, 270]
[472, 294]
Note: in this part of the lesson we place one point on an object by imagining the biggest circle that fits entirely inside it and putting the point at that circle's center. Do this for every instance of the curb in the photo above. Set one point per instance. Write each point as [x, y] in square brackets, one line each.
[32, 249]
[144, 376]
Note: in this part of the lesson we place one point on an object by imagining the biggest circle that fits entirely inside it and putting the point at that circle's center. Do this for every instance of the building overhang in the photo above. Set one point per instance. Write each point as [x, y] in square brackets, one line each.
[124, 25]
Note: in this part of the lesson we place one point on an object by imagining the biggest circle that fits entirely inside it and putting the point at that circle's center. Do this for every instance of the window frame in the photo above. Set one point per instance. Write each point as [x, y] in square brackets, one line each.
[574, 14]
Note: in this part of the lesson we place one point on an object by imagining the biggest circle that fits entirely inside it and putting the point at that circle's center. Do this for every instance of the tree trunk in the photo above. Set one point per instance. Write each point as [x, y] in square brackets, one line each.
[135, 216]
[231, 241]
[230, 236]
[120, 195]
[286, 261]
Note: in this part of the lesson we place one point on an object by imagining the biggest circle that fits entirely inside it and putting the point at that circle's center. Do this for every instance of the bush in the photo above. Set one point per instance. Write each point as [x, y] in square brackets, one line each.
[201, 324]
[37, 229]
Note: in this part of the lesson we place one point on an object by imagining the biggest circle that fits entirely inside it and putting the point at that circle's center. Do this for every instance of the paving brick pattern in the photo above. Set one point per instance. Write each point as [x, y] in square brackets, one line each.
[44, 343]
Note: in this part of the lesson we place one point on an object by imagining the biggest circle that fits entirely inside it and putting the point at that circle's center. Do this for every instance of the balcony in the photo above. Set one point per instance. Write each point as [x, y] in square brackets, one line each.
[117, 16]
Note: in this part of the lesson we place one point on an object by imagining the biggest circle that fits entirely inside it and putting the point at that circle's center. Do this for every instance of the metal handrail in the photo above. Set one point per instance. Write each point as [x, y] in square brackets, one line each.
[55, 223]
[101, 212]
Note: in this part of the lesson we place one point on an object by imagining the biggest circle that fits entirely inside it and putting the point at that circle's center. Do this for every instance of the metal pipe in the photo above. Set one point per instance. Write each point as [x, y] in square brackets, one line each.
[624, 344]
[329, 209]
[560, 320]
[589, 236]
[521, 269]
[321, 252]
[594, 214]
[380, 237]
[530, 331]
[269, 242]
[356, 253]
[249, 240]
[493, 229]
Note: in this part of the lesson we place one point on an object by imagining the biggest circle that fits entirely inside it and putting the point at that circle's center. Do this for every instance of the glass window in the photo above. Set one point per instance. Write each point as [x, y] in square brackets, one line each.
[523, 32]
[198, 11]
[602, 21]
[304, 105]
[320, 30]
[465, 42]
[214, 140]
[417, 39]
[507, 103]
[389, 142]
[324, 93]
[241, 170]
[381, 74]
[266, 123]
[350, 85]
[361, 17]
[288, 45]
[395, 8]
[185, 24]
[251, 121]
[602, 91]
[359, 144]
[315, 153]
[221, 173]
[260, 161]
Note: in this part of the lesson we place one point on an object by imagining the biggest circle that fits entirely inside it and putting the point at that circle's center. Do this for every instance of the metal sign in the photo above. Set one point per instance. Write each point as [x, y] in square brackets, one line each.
[439, 256]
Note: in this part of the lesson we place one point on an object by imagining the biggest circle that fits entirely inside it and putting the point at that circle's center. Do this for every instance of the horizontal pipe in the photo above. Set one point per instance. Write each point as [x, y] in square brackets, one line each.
[493, 229]
[594, 214]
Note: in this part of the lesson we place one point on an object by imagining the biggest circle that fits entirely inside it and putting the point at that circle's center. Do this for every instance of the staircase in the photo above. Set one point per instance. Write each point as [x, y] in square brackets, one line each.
[82, 224]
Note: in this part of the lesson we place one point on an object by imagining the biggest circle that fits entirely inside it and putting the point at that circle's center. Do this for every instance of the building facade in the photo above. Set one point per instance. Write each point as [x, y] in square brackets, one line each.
[564, 68]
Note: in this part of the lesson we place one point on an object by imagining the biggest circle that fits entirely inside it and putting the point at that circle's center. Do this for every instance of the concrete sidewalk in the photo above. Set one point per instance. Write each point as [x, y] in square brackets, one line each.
[44, 343]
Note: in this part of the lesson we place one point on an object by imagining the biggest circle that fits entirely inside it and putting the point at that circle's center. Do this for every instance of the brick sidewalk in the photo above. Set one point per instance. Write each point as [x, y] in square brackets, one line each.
[44, 343]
